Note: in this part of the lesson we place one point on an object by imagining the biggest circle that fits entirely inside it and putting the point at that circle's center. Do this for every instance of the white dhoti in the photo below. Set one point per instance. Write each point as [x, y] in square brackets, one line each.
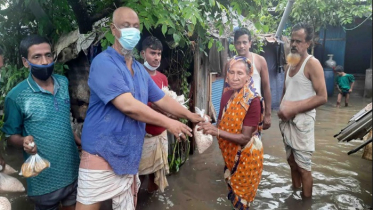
[299, 138]
[154, 159]
[99, 185]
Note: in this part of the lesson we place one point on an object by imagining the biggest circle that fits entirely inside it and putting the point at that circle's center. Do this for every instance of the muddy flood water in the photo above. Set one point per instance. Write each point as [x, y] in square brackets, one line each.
[341, 181]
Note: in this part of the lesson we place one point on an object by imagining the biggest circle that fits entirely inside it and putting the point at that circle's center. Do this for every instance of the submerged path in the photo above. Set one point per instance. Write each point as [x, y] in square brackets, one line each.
[341, 181]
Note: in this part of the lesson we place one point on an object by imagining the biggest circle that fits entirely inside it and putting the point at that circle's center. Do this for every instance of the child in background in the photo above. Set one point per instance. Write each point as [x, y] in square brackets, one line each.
[345, 84]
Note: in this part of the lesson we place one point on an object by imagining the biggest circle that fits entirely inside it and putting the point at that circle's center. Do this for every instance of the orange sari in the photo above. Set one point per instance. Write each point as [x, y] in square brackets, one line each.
[243, 164]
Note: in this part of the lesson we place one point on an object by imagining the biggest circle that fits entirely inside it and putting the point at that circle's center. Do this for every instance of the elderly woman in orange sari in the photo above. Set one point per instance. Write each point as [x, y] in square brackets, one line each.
[238, 133]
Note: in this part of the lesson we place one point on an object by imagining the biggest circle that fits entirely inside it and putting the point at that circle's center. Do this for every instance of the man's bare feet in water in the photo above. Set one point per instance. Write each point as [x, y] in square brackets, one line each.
[338, 105]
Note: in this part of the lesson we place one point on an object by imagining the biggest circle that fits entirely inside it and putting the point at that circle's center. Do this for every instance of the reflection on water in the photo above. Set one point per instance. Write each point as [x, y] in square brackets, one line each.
[341, 181]
[334, 188]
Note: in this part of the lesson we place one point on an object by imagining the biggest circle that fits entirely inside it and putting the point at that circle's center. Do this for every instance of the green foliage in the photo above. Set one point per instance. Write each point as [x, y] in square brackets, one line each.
[330, 12]
[17, 21]
[257, 46]
[179, 155]
[321, 13]
[186, 22]
[184, 83]
[109, 38]
[255, 11]
[11, 75]
[232, 48]
[178, 70]
[287, 32]
[183, 20]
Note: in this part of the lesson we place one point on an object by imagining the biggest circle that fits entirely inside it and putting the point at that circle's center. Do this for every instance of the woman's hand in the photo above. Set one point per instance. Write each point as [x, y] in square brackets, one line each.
[208, 128]
[195, 118]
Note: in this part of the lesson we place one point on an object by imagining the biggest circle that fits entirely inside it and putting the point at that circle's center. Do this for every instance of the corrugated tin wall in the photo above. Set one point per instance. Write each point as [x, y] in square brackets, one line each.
[335, 43]
[217, 89]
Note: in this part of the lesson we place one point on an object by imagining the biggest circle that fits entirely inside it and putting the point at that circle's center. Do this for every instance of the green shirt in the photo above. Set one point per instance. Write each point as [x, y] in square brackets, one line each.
[30, 110]
[344, 82]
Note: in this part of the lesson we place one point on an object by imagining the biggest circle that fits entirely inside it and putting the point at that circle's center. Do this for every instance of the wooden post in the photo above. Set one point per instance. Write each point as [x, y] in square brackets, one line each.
[197, 66]
[205, 77]
[201, 81]
[201, 78]
[224, 56]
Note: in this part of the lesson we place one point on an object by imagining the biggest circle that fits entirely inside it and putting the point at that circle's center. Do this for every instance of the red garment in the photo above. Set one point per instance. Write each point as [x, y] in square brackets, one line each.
[159, 79]
[253, 114]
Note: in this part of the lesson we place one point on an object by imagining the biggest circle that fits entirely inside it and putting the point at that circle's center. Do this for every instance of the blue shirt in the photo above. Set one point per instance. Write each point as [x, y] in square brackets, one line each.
[108, 132]
[30, 110]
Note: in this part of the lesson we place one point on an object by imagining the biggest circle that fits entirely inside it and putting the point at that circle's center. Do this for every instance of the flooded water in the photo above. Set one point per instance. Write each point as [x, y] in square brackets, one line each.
[341, 181]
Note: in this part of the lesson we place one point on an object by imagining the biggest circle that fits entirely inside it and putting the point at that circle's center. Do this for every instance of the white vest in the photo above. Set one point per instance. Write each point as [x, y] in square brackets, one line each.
[299, 87]
[256, 78]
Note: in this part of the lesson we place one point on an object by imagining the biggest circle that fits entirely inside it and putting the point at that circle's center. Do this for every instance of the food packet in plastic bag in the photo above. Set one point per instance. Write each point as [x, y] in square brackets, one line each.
[10, 184]
[203, 141]
[34, 165]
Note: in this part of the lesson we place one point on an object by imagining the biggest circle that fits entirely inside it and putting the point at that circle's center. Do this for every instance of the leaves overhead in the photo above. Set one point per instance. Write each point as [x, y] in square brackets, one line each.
[321, 13]
[186, 21]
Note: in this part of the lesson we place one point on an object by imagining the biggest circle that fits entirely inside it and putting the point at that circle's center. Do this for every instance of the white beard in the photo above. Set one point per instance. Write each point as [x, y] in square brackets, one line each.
[127, 53]
[293, 59]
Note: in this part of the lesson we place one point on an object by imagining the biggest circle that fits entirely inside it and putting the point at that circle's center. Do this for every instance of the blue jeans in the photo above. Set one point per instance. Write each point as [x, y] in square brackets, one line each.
[51, 201]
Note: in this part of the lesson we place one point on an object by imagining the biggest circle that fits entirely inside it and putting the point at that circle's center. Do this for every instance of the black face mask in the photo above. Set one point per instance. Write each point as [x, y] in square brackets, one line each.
[42, 72]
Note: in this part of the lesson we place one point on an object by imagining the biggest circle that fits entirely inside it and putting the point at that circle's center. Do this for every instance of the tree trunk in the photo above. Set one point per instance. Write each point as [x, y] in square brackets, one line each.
[82, 16]
[85, 21]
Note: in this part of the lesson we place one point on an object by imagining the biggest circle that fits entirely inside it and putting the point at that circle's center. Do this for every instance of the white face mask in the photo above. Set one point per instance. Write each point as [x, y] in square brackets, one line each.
[151, 68]
[129, 37]
[147, 65]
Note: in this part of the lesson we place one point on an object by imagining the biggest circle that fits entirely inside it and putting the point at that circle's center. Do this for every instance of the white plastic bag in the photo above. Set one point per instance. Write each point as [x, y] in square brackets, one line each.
[5, 204]
[10, 184]
[203, 141]
[180, 99]
[8, 170]
[34, 165]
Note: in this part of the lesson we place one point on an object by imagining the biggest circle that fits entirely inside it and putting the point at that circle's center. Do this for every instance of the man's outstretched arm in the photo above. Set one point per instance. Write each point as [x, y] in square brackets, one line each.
[173, 107]
[135, 109]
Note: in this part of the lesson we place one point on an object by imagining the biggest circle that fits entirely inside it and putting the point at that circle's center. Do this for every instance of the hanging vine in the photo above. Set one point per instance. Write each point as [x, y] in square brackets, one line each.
[178, 74]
